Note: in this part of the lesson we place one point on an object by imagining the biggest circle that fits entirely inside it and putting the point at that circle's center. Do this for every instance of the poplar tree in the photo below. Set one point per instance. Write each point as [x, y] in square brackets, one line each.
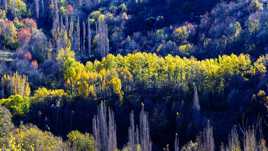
[145, 139]
[102, 36]
[104, 129]
[5, 4]
[76, 39]
[176, 143]
[15, 85]
[37, 8]
[89, 37]
[84, 38]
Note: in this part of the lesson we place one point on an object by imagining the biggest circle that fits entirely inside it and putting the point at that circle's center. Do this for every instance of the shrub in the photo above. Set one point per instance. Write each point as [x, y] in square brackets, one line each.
[31, 138]
[81, 142]
[17, 104]
[44, 92]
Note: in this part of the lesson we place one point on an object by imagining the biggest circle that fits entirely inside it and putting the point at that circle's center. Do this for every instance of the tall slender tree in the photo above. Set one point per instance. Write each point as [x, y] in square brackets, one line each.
[207, 139]
[77, 35]
[145, 139]
[104, 129]
[84, 38]
[133, 134]
[37, 8]
[233, 141]
[176, 143]
[89, 37]
[71, 27]
[42, 7]
[250, 142]
[102, 35]
[5, 3]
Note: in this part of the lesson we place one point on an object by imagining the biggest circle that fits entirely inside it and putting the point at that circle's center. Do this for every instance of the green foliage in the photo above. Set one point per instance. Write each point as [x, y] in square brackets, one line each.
[81, 142]
[17, 104]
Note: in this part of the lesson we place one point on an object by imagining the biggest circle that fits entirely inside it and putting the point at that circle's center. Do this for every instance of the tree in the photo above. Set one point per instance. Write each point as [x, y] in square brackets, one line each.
[207, 139]
[8, 33]
[104, 129]
[234, 142]
[15, 84]
[29, 23]
[116, 86]
[176, 143]
[145, 138]
[89, 37]
[77, 40]
[17, 7]
[37, 8]
[24, 36]
[38, 46]
[102, 38]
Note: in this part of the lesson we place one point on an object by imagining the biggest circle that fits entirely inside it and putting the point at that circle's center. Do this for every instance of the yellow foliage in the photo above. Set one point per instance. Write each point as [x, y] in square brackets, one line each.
[185, 48]
[44, 92]
[30, 139]
[116, 85]
[18, 6]
[261, 93]
[12, 145]
[121, 73]
[16, 84]
[184, 31]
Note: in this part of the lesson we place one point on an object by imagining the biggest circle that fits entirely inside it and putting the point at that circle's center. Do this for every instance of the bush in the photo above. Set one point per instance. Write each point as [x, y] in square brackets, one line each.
[81, 142]
[17, 104]
[31, 138]
[44, 92]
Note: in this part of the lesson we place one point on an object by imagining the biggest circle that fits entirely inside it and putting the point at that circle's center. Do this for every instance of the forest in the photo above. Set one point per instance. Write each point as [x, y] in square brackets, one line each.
[133, 75]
